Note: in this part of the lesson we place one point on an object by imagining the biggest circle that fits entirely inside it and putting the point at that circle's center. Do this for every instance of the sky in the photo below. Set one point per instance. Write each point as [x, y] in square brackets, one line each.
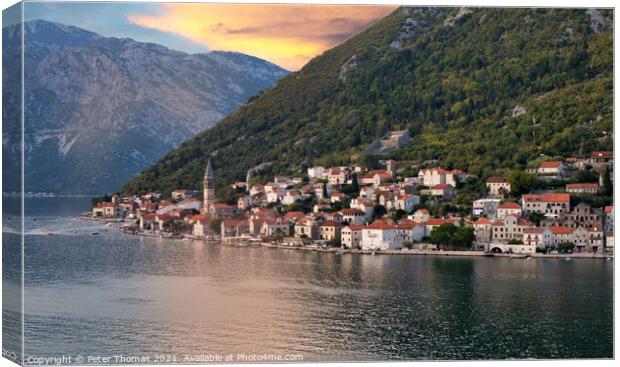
[287, 35]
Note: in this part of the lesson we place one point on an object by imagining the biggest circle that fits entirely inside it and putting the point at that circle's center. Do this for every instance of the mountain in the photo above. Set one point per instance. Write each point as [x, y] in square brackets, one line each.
[99, 109]
[482, 90]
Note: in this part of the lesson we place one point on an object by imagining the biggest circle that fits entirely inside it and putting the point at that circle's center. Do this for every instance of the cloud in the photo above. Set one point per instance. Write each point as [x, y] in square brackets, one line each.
[288, 35]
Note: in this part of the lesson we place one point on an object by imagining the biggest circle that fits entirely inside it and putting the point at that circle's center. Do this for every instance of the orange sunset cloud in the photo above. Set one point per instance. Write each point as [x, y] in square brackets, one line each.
[287, 35]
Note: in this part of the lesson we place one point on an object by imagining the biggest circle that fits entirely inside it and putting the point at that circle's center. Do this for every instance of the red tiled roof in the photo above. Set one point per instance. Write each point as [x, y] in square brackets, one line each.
[537, 230]
[547, 197]
[294, 214]
[496, 179]
[582, 186]
[602, 154]
[356, 227]
[509, 205]
[381, 225]
[609, 209]
[407, 224]
[483, 221]
[550, 164]
[234, 222]
[331, 223]
[438, 221]
[440, 187]
[560, 230]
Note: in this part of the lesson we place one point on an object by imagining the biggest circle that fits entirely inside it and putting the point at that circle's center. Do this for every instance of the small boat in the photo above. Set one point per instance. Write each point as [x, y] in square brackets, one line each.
[74, 231]
[567, 259]
[528, 258]
[50, 233]
[609, 259]
[373, 253]
[34, 219]
[95, 233]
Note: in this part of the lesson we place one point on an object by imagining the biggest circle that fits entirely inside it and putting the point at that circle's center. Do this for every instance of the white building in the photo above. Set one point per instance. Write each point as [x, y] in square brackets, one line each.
[351, 236]
[379, 235]
[508, 208]
[316, 172]
[498, 186]
[548, 204]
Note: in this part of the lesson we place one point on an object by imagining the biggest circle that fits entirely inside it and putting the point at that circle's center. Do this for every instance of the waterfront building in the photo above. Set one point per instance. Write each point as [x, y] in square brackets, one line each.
[235, 227]
[380, 235]
[537, 236]
[510, 228]
[483, 230]
[330, 231]
[351, 236]
[107, 210]
[306, 227]
[408, 230]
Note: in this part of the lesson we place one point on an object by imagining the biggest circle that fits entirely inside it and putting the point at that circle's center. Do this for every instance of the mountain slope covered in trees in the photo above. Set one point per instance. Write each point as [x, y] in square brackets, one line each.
[484, 90]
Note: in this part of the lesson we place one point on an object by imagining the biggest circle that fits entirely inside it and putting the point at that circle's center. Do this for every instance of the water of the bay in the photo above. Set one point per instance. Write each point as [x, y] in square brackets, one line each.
[113, 294]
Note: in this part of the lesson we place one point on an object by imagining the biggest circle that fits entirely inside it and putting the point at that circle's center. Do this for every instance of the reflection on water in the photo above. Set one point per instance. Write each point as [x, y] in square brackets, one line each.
[112, 293]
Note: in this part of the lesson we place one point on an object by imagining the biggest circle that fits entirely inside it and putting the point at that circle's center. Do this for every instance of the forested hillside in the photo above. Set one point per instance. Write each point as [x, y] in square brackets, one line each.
[483, 90]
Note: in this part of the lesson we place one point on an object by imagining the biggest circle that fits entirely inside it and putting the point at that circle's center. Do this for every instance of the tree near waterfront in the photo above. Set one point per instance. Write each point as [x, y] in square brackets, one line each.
[449, 235]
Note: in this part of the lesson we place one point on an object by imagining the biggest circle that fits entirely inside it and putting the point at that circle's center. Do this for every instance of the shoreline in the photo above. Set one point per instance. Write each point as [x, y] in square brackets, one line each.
[339, 251]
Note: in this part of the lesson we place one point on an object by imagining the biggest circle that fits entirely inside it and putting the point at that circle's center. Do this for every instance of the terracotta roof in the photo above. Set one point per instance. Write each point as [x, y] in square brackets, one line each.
[582, 186]
[560, 230]
[331, 223]
[408, 224]
[602, 154]
[294, 214]
[496, 179]
[149, 216]
[509, 205]
[352, 211]
[381, 225]
[106, 204]
[439, 170]
[234, 222]
[483, 221]
[550, 164]
[609, 209]
[537, 230]
[547, 197]
[355, 227]
[440, 187]
[438, 221]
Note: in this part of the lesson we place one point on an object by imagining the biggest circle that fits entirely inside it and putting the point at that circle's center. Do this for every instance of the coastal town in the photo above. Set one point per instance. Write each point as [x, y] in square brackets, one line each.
[559, 206]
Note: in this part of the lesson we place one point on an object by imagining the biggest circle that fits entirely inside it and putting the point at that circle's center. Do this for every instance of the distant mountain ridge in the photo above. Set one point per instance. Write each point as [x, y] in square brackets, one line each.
[101, 109]
[480, 89]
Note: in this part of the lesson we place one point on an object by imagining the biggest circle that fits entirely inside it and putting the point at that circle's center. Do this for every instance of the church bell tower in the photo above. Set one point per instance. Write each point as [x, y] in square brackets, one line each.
[209, 190]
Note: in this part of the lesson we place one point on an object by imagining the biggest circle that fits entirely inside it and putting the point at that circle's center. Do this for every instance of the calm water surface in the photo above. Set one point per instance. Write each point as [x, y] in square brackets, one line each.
[115, 294]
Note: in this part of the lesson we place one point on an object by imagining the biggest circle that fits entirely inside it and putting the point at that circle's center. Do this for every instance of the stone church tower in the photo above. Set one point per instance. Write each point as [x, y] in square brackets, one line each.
[209, 190]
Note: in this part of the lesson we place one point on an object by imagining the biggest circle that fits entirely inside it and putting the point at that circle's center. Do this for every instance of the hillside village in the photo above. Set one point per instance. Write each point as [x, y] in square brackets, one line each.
[560, 206]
